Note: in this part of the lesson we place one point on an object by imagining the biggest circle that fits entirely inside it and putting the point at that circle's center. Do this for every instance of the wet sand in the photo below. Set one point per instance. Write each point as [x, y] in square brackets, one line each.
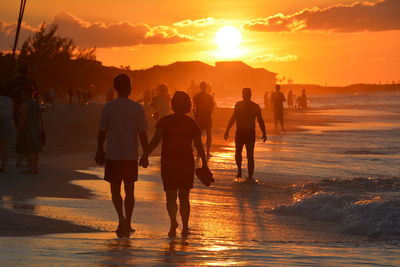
[230, 221]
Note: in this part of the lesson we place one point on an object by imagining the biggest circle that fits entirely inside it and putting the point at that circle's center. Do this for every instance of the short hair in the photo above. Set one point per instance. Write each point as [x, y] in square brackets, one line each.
[27, 89]
[277, 86]
[23, 70]
[122, 83]
[181, 102]
[246, 90]
[203, 85]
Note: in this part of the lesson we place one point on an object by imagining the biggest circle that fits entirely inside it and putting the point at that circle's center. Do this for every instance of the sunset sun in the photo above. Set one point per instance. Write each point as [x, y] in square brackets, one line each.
[228, 39]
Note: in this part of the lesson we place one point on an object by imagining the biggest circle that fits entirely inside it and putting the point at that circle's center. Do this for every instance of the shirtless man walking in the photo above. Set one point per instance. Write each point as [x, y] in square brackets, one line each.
[245, 114]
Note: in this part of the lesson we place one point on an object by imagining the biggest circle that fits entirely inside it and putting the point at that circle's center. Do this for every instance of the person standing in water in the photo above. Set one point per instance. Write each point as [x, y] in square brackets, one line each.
[290, 99]
[122, 122]
[178, 132]
[277, 99]
[203, 107]
[245, 114]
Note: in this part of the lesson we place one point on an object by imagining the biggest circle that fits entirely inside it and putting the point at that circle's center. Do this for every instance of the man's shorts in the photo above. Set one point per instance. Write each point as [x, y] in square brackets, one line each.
[203, 120]
[117, 171]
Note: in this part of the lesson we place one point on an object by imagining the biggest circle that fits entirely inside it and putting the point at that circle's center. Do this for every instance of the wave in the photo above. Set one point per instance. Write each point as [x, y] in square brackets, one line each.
[362, 206]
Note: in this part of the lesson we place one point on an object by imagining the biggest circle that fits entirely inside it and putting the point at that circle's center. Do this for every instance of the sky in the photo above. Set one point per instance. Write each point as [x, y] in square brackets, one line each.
[328, 42]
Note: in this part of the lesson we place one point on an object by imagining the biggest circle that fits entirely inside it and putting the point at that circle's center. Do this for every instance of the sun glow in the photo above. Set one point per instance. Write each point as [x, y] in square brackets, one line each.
[228, 39]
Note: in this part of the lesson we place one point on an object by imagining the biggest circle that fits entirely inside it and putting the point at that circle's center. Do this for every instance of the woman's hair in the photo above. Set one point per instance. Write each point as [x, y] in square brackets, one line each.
[162, 88]
[181, 102]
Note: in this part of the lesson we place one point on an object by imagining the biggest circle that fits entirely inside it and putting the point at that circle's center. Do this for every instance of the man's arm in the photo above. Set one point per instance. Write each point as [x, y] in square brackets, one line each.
[200, 150]
[101, 138]
[230, 124]
[143, 141]
[144, 160]
[261, 124]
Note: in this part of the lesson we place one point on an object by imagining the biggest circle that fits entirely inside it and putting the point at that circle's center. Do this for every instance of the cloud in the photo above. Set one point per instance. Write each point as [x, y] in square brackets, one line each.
[7, 34]
[274, 58]
[204, 22]
[367, 16]
[115, 34]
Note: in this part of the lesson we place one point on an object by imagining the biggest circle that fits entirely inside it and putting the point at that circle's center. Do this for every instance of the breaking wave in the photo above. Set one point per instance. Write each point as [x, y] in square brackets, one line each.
[362, 206]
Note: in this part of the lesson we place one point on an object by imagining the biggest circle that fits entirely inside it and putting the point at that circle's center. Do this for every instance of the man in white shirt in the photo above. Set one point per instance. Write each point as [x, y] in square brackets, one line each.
[122, 122]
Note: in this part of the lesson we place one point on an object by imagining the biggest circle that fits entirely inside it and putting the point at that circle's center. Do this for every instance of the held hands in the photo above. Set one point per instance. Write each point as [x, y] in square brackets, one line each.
[226, 135]
[144, 161]
[264, 138]
[100, 157]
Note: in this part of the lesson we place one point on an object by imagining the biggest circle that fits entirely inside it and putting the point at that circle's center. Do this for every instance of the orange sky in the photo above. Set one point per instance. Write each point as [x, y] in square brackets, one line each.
[311, 41]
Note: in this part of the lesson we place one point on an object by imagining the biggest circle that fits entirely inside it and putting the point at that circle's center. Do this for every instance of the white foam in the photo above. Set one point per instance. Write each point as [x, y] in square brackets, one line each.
[354, 208]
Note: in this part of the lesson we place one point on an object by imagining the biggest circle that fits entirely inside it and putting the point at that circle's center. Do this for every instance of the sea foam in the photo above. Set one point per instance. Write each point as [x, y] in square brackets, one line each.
[363, 206]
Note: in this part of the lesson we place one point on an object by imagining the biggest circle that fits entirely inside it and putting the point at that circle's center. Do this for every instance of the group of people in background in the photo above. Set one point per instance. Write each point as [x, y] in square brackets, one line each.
[20, 109]
[82, 97]
[273, 102]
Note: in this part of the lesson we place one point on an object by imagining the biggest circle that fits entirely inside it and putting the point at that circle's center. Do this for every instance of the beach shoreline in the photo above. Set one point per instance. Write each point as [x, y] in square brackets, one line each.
[71, 131]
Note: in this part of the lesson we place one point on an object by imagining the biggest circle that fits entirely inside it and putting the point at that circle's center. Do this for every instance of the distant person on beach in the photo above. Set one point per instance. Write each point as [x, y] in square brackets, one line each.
[177, 132]
[15, 91]
[161, 102]
[203, 107]
[79, 96]
[277, 99]
[245, 114]
[303, 100]
[290, 99]
[70, 96]
[267, 101]
[109, 94]
[122, 122]
[29, 128]
[6, 125]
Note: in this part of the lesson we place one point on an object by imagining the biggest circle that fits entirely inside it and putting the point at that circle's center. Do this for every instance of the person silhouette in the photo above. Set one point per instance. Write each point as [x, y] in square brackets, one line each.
[161, 103]
[245, 114]
[122, 121]
[15, 92]
[177, 132]
[203, 107]
[277, 99]
[290, 99]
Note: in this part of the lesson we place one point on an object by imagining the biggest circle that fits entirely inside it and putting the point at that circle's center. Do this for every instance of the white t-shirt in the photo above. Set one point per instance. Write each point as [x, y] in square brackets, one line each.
[122, 119]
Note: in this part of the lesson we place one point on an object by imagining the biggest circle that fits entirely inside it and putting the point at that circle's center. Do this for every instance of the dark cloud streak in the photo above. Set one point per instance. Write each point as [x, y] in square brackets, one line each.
[366, 16]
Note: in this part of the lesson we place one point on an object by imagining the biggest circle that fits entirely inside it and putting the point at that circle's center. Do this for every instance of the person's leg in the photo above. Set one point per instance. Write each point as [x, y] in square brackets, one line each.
[238, 154]
[209, 140]
[184, 209]
[4, 154]
[20, 160]
[172, 209]
[250, 157]
[129, 204]
[117, 201]
[35, 163]
[282, 123]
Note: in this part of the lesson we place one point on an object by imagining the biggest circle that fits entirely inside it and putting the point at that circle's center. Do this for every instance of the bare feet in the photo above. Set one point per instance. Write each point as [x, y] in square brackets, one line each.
[121, 227]
[129, 229]
[185, 232]
[172, 230]
[239, 174]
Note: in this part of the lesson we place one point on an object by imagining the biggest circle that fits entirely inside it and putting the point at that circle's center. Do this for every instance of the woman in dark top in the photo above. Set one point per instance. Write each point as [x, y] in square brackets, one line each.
[177, 131]
[28, 130]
